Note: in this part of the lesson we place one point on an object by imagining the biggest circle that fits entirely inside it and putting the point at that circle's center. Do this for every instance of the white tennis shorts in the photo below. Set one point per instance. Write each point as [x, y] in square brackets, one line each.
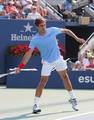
[58, 65]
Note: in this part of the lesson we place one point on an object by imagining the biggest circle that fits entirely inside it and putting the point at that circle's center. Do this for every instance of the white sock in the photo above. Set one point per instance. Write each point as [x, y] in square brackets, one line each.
[36, 101]
[72, 95]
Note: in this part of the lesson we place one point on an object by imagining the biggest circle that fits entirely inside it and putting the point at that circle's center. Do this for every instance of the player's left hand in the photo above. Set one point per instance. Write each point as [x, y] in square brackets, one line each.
[81, 40]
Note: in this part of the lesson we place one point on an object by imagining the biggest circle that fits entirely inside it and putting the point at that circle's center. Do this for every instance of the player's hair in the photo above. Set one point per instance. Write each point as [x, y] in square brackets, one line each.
[38, 21]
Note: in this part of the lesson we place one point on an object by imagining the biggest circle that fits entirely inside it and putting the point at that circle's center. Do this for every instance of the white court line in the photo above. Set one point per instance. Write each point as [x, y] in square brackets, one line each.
[74, 116]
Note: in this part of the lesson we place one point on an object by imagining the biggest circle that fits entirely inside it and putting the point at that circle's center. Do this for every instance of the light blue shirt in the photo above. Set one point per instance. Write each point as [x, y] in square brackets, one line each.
[47, 44]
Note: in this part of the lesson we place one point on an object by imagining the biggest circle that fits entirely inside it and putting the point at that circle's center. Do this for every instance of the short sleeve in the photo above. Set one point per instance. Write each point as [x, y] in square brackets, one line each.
[32, 44]
[56, 31]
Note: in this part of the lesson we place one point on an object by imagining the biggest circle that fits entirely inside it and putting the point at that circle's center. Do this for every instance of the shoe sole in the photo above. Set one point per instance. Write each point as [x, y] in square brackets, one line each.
[75, 109]
[36, 111]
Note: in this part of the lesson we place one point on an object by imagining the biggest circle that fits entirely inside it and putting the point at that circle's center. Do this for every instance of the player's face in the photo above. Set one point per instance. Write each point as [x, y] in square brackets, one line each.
[42, 27]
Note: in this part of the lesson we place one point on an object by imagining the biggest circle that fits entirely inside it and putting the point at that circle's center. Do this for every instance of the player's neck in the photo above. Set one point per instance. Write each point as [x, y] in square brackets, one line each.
[42, 33]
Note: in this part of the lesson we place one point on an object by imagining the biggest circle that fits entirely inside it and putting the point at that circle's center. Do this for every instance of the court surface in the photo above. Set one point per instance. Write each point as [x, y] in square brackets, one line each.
[16, 104]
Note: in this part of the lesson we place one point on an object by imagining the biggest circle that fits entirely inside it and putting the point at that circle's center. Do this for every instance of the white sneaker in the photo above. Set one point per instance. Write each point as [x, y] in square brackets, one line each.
[36, 109]
[74, 104]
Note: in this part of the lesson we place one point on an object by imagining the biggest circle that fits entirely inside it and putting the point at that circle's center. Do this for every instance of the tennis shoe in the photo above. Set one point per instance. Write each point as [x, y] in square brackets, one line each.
[36, 109]
[74, 104]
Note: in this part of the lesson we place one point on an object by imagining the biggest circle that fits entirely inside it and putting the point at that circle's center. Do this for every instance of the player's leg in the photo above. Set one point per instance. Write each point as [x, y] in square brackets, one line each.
[61, 67]
[64, 76]
[46, 71]
[67, 83]
[38, 93]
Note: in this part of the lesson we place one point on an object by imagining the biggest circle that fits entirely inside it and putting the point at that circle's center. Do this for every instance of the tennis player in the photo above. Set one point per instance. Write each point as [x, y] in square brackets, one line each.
[45, 40]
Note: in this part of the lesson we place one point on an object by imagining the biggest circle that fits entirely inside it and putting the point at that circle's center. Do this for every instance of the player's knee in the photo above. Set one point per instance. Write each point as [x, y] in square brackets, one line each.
[65, 76]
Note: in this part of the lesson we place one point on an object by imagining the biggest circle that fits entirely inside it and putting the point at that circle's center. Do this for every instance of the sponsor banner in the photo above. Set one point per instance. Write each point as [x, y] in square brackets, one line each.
[79, 79]
[82, 79]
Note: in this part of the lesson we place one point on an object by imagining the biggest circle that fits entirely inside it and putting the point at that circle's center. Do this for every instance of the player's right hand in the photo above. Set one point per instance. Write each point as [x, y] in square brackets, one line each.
[18, 70]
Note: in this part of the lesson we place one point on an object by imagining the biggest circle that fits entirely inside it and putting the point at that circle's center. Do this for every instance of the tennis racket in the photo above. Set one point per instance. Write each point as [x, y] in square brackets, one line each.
[27, 69]
[13, 71]
[6, 74]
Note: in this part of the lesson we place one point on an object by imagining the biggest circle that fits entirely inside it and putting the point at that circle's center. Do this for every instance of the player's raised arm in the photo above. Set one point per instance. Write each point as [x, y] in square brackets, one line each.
[70, 33]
